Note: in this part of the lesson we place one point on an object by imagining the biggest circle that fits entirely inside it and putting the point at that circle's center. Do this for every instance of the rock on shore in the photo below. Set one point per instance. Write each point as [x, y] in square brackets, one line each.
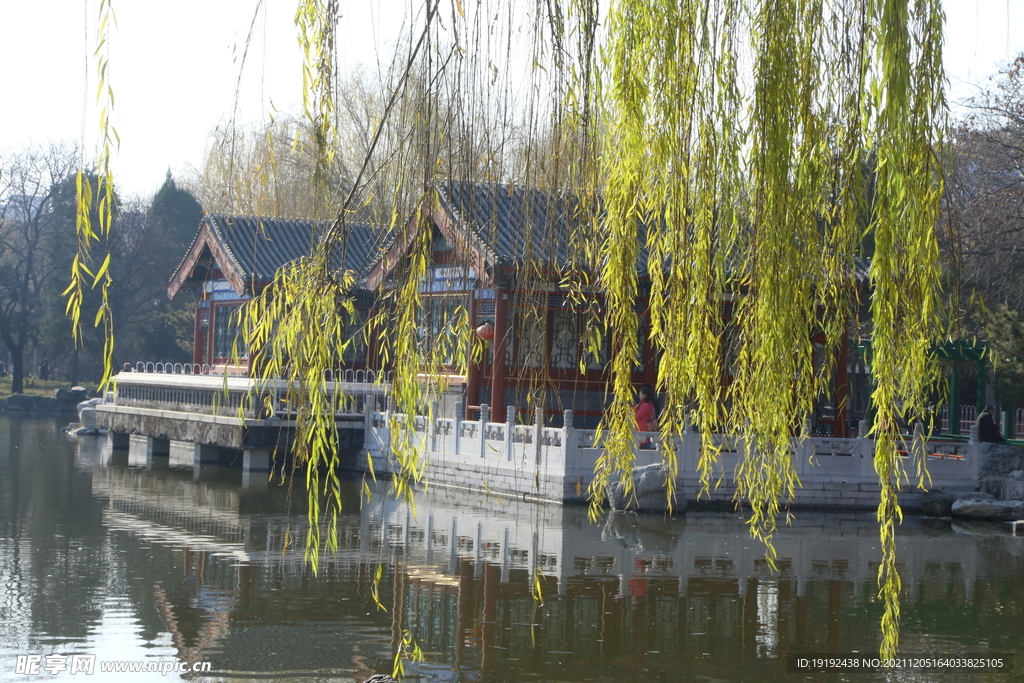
[63, 400]
[939, 503]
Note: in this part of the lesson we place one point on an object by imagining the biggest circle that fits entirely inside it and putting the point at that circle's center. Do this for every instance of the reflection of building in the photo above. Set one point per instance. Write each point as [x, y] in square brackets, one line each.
[629, 594]
[634, 588]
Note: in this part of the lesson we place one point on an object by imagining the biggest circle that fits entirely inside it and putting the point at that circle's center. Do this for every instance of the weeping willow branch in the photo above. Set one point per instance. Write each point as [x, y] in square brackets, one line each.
[756, 196]
[298, 329]
[909, 108]
[102, 197]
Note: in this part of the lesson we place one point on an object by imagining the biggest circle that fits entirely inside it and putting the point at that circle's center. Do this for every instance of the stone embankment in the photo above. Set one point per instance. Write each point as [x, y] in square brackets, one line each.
[1001, 488]
[62, 401]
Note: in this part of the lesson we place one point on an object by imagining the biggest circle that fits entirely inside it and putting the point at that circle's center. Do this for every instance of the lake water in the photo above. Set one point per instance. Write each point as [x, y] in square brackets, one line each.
[102, 556]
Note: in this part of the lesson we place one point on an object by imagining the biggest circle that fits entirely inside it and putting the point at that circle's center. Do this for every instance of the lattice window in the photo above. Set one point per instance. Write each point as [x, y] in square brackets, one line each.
[565, 340]
[437, 325]
[532, 334]
[226, 332]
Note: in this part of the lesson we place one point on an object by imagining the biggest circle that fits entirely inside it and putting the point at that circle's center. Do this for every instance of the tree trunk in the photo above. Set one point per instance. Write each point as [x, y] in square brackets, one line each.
[17, 372]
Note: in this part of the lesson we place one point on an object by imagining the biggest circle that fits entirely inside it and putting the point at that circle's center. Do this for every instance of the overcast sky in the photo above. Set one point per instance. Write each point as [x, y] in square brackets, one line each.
[175, 68]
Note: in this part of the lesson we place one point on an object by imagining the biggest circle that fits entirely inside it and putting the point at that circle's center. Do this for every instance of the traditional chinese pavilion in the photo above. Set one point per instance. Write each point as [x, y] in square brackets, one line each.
[233, 258]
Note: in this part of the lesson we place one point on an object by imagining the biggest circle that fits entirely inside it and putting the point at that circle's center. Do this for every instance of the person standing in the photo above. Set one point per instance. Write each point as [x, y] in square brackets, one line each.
[646, 413]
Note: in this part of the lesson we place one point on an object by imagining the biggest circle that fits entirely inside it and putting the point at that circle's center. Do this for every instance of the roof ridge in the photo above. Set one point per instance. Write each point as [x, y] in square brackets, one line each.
[290, 219]
[225, 246]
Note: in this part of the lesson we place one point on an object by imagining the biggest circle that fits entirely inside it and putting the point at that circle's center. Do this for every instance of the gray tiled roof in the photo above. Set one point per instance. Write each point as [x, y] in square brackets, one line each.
[514, 223]
[260, 245]
[517, 224]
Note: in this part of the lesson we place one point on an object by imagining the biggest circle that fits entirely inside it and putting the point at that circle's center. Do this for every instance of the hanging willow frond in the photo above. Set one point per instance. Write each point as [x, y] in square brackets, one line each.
[298, 330]
[101, 197]
[757, 196]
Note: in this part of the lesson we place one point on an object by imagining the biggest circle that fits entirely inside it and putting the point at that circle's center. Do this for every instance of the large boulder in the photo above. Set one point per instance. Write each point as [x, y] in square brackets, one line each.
[1013, 489]
[32, 404]
[21, 403]
[648, 491]
[939, 503]
[999, 459]
[46, 404]
[1004, 488]
[67, 399]
[989, 509]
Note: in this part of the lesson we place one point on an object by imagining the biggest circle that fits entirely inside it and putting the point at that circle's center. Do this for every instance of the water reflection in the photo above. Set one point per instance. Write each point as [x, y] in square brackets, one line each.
[104, 553]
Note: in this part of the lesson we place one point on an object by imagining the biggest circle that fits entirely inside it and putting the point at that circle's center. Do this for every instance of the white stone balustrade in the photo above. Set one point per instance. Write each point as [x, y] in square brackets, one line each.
[223, 395]
[557, 464]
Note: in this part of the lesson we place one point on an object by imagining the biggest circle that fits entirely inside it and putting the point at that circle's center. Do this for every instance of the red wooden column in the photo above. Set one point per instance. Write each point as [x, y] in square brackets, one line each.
[473, 370]
[498, 370]
[199, 335]
[842, 386]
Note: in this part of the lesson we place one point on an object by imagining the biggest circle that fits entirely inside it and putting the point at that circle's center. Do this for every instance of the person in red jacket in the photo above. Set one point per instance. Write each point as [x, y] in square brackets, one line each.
[646, 414]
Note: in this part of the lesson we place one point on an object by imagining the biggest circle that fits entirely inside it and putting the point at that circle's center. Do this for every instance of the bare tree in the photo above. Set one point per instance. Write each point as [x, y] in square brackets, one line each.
[987, 189]
[28, 181]
[263, 171]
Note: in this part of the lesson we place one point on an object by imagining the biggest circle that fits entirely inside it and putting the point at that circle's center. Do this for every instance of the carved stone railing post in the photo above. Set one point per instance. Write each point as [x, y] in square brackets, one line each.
[485, 416]
[432, 427]
[691, 445]
[570, 439]
[457, 424]
[510, 431]
[974, 453]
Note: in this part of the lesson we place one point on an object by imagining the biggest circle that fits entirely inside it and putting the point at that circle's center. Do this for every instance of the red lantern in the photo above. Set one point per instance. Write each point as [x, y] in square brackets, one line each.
[486, 332]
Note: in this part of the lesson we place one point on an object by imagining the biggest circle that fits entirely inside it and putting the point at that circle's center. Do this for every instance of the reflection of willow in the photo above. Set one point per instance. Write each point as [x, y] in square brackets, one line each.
[746, 145]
